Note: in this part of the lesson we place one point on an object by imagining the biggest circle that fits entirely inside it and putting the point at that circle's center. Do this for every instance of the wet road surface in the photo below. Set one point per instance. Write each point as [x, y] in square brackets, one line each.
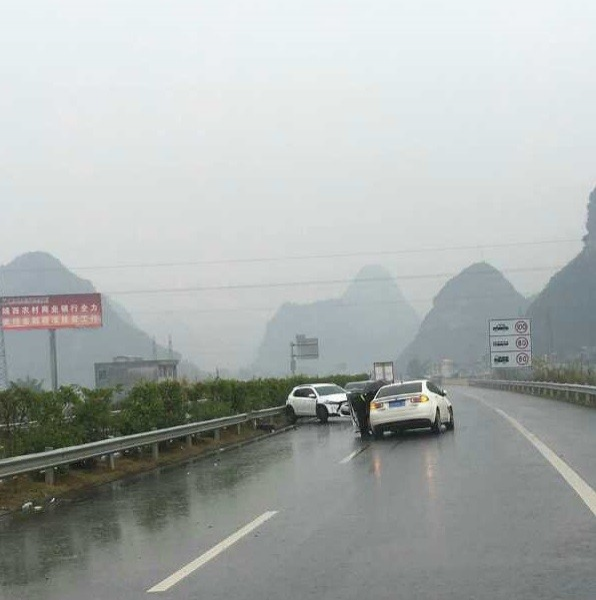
[476, 513]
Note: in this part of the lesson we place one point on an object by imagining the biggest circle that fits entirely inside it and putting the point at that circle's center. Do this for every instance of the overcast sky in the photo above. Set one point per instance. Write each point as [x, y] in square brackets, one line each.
[216, 130]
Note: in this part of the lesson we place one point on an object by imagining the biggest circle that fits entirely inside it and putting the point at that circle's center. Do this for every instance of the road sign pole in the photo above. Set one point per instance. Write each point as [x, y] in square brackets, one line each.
[292, 359]
[53, 360]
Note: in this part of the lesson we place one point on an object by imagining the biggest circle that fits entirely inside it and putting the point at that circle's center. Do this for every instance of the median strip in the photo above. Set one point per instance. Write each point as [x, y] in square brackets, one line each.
[191, 567]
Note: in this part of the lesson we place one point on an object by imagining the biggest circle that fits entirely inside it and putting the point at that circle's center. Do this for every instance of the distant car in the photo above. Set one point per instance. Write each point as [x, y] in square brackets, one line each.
[410, 405]
[321, 400]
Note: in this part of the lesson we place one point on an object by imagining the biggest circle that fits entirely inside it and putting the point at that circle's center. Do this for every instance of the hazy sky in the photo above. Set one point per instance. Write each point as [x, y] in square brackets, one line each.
[217, 130]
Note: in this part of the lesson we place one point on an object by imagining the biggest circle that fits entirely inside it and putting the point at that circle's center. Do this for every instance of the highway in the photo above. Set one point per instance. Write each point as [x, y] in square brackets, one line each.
[481, 512]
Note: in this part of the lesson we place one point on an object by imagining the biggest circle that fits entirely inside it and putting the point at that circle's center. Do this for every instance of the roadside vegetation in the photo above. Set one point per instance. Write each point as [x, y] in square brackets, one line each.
[32, 419]
[573, 373]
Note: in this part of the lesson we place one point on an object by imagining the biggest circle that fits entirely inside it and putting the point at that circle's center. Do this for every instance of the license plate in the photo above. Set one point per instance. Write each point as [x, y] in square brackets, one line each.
[397, 403]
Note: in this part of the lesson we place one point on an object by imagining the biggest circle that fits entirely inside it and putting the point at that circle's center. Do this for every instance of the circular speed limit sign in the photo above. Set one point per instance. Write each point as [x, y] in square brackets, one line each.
[522, 343]
[523, 359]
[521, 327]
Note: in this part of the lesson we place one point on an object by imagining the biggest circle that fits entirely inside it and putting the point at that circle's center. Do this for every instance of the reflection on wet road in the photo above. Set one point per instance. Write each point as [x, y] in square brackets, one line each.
[477, 513]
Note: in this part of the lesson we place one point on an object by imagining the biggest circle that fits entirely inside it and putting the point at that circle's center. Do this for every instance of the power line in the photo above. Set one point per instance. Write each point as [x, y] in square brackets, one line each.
[300, 257]
[338, 305]
[287, 284]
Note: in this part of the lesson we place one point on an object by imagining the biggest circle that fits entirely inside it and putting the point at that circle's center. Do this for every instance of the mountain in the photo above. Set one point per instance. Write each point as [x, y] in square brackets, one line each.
[456, 328]
[564, 314]
[38, 273]
[371, 322]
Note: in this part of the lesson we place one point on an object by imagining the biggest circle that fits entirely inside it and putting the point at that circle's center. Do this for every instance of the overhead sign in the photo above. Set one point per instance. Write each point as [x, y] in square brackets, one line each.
[383, 371]
[306, 348]
[71, 311]
[510, 343]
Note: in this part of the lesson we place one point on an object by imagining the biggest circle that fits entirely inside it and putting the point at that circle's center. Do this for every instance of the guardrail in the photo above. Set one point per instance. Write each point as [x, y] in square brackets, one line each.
[46, 461]
[577, 394]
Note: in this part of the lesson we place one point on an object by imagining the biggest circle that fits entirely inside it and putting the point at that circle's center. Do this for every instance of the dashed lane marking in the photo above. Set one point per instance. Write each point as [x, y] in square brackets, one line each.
[352, 455]
[191, 567]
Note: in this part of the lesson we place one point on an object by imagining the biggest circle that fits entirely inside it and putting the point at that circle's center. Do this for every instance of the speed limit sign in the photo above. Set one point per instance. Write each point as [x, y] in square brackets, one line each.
[510, 342]
[522, 359]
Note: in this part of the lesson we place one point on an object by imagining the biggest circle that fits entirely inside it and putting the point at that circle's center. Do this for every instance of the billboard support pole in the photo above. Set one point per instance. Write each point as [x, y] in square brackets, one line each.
[53, 360]
[3, 364]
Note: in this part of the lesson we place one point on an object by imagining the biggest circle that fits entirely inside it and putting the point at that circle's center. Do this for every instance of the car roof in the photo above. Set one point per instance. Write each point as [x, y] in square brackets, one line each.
[423, 381]
[368, 383]
[314, 385]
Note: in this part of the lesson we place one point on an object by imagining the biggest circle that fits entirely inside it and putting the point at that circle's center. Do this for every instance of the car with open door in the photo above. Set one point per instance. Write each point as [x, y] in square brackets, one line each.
[410, 405]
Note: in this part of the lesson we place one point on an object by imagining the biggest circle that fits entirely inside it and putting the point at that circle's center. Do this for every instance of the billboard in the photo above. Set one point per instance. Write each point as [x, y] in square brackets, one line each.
[69, 311]
[510, 343]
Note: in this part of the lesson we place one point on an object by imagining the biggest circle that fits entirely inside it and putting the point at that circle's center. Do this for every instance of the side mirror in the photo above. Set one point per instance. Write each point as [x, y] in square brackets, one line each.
[312, 395]
[443, 393]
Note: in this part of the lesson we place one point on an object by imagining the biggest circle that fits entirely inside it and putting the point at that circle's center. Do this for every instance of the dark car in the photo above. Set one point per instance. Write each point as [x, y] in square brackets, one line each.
[360, 395]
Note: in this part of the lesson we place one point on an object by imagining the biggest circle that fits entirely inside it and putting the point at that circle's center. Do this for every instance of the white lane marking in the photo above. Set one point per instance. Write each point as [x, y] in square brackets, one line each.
[352, 455]
[581, 488]
[191, 567]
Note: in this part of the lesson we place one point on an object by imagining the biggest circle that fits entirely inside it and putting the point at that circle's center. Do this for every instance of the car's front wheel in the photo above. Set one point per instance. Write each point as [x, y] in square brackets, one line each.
[322, 413]
[291, 414]
[451, 423]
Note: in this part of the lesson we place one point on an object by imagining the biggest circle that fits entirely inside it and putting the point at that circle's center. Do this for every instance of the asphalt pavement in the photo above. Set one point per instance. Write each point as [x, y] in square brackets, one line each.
[478, 513]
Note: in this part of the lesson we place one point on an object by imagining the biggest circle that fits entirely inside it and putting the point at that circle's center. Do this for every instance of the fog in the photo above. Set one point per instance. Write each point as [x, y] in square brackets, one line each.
[154, 146]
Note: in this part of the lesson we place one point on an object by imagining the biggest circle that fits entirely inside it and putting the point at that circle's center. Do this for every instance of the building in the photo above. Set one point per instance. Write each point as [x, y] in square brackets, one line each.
[125, 371]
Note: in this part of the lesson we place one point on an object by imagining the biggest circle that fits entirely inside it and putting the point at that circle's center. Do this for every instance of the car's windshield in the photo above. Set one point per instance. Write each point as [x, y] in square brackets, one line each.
[328, 390]
[400, 389]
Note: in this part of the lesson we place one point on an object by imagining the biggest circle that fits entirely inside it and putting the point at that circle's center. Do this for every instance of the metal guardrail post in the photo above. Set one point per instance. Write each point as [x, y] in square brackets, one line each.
[112, 461]
[155, 448]
[189, 441]
[49, 472]
[48, 461]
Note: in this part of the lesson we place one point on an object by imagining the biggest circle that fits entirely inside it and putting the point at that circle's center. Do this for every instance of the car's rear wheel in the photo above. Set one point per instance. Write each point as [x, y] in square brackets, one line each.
[322, 413]
[451, 423]
[291, 414]
[377, 433]
[436, 426]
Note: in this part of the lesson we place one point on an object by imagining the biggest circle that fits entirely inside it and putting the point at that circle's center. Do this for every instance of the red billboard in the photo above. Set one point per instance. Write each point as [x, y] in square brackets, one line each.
[72, 311]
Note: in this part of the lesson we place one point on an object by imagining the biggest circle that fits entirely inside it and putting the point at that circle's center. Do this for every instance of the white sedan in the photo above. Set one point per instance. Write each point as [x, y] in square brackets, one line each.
[321, 400]
[410, 405]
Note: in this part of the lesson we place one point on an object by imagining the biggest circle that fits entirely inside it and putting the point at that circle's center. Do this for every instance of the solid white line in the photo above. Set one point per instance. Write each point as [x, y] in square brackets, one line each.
[190, 568]
[354, 454]
[581, 488]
